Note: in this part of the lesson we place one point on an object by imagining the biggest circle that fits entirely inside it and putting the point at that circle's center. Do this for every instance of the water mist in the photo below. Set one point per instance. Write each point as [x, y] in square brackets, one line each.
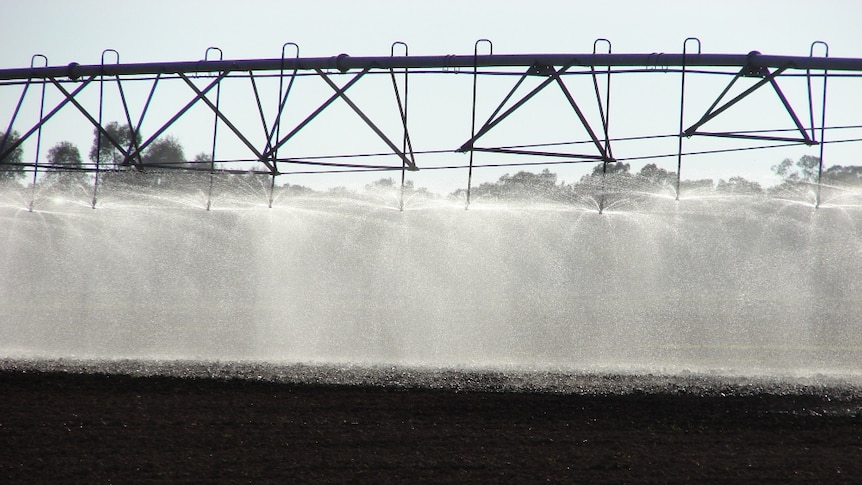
[738, 284]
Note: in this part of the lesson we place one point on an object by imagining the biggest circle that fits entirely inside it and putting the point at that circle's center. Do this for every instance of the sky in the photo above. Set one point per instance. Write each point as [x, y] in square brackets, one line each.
[160, 30]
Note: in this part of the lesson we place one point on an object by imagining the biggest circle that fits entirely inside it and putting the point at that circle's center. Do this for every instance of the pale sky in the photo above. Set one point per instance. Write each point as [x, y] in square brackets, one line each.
[177, 30]
[159, 30]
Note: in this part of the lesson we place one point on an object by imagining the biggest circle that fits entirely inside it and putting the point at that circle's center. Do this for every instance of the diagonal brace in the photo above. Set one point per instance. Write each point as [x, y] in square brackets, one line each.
[137, 128]
[269, 153]
[602, 149]
[44, 120]
[514, 151]
[176, 116]
[411, 165]
[230, 125]
[92, 120]
[402, 110]
[712, 112]
[808, 140]
[492, 121]
[12, 120]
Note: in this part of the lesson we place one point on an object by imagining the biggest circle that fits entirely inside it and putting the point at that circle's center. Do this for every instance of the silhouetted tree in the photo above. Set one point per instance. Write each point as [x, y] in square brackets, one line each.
[165, 161]
[108, 154]
[603, 179]
[543, 181]
[738, 185]
[10, 165]
[165, 152]
[614, 168]
[653, 174]
[383, 183]
[802, 171]
[340, 191]
[522, 185]
[202, 161]
[697, 185]
[295, 189]
[65, 160]
[388, 186]
[837, 174]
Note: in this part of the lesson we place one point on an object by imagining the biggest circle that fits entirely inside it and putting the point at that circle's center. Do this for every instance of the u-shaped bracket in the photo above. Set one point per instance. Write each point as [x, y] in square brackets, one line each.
[39, 133]
[473, 121]
[822, 112]
[213, 49]
[810, 91]
[282, 95]
[215, 126]
[116, 55]
[604, 108]
[604, 113]
[483, 41]
[102, 122]
[402, 109]
[33, 60]
[132, 130]
[682, 109]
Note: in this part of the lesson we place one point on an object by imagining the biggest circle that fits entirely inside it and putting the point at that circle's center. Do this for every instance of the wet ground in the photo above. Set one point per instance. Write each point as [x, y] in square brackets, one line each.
[129, 421]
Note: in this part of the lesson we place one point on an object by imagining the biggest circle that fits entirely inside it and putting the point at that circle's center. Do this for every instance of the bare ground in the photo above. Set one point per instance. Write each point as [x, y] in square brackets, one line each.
[99, 428]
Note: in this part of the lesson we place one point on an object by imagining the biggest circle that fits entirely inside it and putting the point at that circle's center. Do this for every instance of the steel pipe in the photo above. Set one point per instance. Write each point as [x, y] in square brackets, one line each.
[344, 63]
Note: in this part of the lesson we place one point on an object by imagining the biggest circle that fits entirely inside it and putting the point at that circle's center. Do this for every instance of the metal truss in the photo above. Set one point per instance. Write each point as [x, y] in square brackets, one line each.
[550, 71]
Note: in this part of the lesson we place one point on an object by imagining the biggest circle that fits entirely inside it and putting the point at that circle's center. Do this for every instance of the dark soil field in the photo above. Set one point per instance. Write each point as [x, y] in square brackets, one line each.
[59, 426]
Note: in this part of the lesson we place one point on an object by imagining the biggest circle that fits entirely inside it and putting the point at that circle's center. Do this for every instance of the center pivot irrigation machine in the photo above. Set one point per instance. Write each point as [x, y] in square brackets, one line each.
[264, 126]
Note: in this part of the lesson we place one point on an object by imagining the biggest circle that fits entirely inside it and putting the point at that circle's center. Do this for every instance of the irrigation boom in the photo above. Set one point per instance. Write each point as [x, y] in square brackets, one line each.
[345, 62]
[545, 71]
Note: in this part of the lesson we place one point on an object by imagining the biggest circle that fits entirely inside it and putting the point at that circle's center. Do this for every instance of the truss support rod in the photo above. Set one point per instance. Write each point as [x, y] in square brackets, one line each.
[266, 132]
[743, 136]
[473, 135]
[344, 63]
[315, 113]
[276, 126]
[581, 117]
[217, 113]
[682, 112]
[227, 122]
[790, 111]
[712, 112]
[71, 98]
[822, 116]
[8, 133]
[141, 147]
[257, 100]
[44, 120]
[100, 122]
[136, 129]
[511, 151]
[604, 114]
[492, 122]
[38, 135]
[340, 92]
[402, 110]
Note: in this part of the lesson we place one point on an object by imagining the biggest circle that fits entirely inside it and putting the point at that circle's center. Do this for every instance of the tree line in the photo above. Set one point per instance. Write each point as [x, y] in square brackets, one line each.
[64, 165]
[618, 177]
